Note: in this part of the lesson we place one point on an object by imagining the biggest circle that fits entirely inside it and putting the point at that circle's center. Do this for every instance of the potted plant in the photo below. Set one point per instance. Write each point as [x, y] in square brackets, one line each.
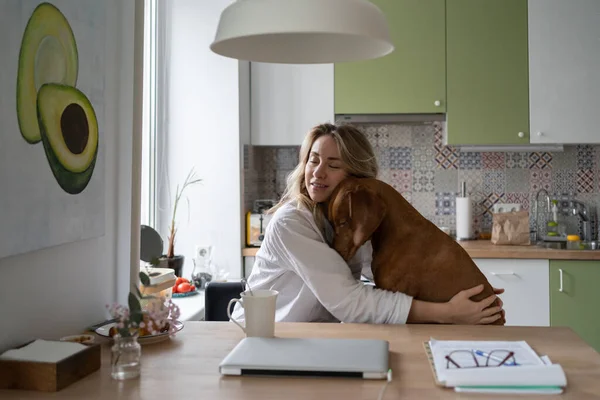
[173, 260]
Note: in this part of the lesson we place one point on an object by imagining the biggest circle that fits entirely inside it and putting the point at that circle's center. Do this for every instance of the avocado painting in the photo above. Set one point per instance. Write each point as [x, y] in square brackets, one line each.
[51, 122]
[49, 107]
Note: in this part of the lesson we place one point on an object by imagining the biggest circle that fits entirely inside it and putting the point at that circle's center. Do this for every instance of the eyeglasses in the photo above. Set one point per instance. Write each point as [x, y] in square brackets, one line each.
[478, 358]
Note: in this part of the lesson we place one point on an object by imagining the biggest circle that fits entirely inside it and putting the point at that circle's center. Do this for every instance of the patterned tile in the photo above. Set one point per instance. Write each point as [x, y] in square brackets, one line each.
[586, 156]
[540, 160]
[382, 136]
[423, 181]
[566, 159]
[494, 181]
[448, 221]
[488, 202]
[446, 157]
[424, 203]
[385, 175]
[585, 181]
[565, 181]
[487, 220]
[563, 201]
[383, 157]
[493, 160]
[400, 136]
[400, 157]
[423, 158]
[517, 180]
[540, 179]
[370, 132]
[517, 160]
[473, 178]
[446, 180]
[445, 203]
[518, 198]
[469, 160]
[401, 180]
[423, 135]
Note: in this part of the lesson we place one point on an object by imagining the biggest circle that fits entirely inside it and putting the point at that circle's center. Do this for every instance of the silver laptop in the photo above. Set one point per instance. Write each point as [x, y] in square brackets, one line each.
[356, 358]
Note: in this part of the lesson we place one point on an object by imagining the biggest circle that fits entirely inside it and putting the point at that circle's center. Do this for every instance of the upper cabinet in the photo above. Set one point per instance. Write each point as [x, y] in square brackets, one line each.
[486, 72]
[412, 79]
[564, 78]
[287, 100]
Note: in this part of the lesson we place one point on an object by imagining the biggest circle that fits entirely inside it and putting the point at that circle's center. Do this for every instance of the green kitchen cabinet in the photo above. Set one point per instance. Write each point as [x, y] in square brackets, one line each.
[412, 79]
[487, 72]
[575, 298]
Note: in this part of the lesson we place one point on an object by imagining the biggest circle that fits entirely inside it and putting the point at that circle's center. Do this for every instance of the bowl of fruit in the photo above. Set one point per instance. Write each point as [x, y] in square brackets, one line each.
[183, 288]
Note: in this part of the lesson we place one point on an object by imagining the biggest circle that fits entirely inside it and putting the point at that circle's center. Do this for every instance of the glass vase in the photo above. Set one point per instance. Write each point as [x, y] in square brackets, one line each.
[125, 357]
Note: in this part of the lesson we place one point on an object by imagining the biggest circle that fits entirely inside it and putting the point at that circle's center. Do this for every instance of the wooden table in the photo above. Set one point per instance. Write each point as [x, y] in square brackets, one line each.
[186, 366]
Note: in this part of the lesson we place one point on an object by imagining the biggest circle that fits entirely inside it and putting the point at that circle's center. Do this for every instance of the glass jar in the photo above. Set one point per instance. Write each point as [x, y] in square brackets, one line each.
[574, 242]
[125, 357]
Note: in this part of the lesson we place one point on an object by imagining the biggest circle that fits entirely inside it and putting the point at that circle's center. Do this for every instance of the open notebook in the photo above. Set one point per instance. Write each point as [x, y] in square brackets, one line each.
[530, 374]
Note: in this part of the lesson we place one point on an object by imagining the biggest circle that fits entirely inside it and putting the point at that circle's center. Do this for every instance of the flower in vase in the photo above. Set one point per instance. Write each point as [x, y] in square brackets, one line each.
[155, 317]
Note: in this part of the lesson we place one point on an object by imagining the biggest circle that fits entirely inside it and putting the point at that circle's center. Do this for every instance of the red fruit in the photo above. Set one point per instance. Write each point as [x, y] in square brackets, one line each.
[192, 288]
[183, 287]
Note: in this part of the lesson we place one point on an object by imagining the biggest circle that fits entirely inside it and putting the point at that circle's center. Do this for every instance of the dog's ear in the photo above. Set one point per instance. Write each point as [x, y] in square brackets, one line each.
[366, 213]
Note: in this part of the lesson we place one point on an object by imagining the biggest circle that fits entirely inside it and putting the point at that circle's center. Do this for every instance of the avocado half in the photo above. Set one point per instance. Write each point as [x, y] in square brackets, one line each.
[69, 132]
[48, 55]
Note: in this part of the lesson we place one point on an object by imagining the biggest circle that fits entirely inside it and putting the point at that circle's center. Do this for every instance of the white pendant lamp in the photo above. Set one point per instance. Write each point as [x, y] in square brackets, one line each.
[302, 31]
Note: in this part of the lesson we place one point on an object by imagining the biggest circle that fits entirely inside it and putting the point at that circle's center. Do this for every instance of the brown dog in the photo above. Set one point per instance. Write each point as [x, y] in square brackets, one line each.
[410, 254]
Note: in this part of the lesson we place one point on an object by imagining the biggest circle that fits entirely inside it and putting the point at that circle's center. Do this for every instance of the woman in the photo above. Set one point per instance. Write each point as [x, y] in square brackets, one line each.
[313, 280]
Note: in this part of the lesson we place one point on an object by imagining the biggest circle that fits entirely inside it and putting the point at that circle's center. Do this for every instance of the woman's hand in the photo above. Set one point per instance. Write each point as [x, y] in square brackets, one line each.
[462, 310]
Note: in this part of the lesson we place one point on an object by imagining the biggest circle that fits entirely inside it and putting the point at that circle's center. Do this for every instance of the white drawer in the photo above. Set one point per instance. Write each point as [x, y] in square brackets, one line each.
[527, 289]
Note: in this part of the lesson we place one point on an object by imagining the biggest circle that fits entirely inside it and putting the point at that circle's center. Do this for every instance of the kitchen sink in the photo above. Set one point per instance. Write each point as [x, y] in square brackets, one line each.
[552, 245]
[593, 245]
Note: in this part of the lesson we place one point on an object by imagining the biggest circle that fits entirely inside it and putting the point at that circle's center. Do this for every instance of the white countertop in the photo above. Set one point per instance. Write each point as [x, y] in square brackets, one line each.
[191, 307]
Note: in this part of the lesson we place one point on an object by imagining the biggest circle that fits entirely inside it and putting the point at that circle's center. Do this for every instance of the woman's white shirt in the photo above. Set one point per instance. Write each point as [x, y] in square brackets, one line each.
[314, 282]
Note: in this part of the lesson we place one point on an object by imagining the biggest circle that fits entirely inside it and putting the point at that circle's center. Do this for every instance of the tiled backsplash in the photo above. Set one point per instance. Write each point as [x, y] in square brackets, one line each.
[413, 160]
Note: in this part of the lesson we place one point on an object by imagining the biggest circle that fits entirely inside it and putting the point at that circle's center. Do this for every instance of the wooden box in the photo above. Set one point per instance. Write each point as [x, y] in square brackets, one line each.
[49, 377]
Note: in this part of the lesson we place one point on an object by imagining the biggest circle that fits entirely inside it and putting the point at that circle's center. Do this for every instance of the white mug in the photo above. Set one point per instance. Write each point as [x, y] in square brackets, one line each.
[259, 312]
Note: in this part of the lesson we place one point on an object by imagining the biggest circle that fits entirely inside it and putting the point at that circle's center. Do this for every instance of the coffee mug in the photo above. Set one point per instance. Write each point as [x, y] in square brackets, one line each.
[259, 312]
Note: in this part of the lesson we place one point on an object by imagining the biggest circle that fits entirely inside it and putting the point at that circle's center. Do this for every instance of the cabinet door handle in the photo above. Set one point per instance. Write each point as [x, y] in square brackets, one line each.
[560, 280]
[502, 273]
[437, 103]
[521, 134]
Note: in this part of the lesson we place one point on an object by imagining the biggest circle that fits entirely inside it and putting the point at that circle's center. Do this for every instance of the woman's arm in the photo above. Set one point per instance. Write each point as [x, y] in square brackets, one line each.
[459, 310]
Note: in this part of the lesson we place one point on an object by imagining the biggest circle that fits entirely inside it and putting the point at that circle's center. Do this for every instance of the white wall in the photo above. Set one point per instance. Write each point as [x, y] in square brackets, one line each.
[61, 290]
[202, 130]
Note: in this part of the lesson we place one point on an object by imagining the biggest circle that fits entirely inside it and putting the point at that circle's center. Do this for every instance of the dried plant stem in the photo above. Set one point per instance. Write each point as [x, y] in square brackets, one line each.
[189, 180]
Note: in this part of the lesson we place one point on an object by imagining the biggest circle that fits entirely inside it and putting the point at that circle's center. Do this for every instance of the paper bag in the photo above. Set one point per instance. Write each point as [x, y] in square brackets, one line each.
[511, 228]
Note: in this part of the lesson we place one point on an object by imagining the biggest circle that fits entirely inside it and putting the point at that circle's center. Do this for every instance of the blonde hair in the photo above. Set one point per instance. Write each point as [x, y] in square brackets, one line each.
[357, 156]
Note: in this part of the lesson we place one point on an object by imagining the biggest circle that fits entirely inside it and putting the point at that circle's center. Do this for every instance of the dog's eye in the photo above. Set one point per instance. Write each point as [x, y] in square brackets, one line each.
[343, 222]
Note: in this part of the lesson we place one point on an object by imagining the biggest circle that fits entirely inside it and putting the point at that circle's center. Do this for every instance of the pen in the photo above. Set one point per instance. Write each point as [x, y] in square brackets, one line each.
[491, 357]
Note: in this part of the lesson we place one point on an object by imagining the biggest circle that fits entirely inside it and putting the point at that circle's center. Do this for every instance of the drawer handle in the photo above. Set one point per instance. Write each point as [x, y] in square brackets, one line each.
[560, 280]
[502, 273]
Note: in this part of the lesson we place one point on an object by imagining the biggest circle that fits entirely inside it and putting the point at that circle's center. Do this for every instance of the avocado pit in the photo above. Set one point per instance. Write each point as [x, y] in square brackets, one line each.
[75, 128]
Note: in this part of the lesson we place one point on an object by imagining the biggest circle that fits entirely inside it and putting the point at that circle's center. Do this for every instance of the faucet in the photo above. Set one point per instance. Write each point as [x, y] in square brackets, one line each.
[543, 192]
[580, 210]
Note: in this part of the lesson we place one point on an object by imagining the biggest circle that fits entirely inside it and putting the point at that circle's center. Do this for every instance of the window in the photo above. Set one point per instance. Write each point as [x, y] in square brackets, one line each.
[150, 113]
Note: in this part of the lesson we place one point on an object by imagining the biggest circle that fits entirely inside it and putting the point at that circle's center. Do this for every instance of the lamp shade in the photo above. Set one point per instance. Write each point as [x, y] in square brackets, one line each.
[302, 31]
